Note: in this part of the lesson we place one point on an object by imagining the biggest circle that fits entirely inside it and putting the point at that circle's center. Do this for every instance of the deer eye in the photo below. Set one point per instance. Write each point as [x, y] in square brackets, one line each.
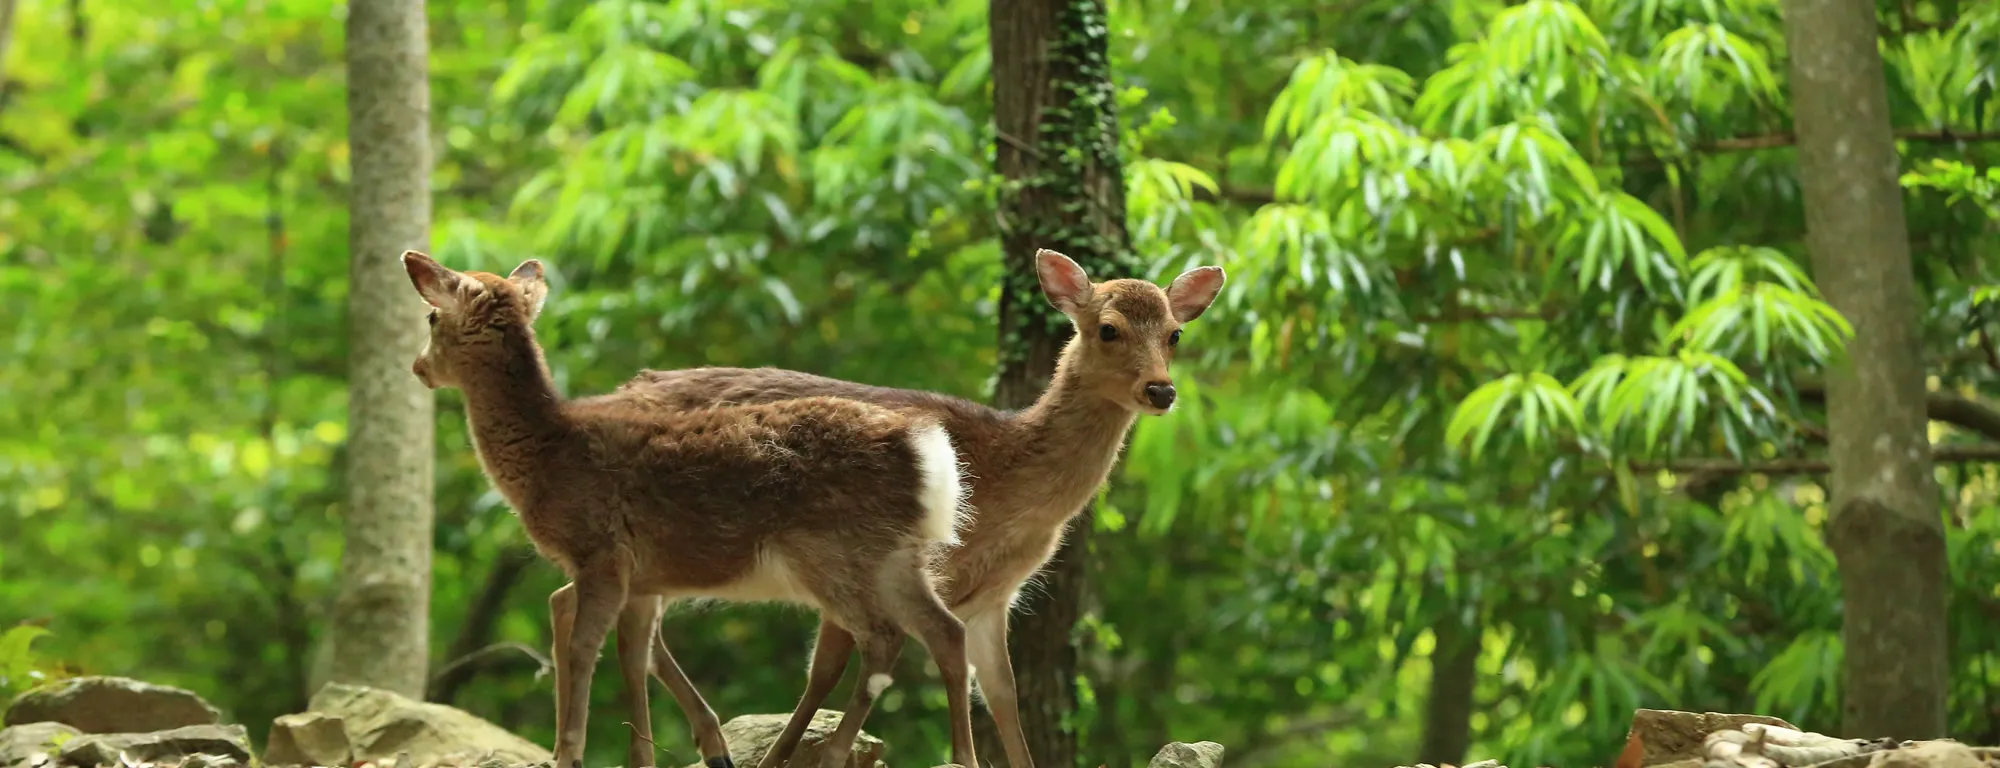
[432, 318]
[1107, 333]
[1174, 339]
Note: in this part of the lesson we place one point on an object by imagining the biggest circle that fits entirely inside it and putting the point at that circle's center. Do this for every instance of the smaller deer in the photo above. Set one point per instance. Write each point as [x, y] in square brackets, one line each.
[825, 502]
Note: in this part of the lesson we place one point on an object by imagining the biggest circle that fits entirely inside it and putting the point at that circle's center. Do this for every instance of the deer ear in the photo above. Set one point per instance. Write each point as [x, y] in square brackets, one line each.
[1062, 280]
[437, 284]
[1191, 293]
[528, 277]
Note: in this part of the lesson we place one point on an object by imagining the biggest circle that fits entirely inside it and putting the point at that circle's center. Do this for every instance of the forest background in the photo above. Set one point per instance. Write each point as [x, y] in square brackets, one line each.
[1509, 420]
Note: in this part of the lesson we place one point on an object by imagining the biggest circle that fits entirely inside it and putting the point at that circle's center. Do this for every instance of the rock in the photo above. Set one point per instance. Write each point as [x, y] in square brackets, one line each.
[380, 725]
[1666, 736]
[750, 736]
[1201, 754]
[210, 761]
[308, 738]
[20, 742]
[1929, 754]
[229, 741]
[111, 705]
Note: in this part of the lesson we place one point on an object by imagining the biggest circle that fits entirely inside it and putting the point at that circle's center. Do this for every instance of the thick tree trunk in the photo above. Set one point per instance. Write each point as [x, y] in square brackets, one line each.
[1884, 528]
[1058, 151]
[381, 621]
[1448, 705]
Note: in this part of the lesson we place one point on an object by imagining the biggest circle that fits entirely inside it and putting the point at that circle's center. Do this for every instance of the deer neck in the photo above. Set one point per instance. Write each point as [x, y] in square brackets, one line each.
[513, 408]
[1070, 438]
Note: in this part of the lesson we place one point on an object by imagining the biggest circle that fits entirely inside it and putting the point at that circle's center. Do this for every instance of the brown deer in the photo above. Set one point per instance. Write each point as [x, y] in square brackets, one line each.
[830, 503]
[1031, 471]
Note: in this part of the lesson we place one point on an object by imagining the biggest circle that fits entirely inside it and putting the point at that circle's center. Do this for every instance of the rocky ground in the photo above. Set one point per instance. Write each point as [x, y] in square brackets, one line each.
[89, 722]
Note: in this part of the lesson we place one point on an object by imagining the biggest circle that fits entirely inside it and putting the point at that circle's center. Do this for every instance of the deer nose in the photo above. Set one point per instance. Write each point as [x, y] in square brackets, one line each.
[1161, 395]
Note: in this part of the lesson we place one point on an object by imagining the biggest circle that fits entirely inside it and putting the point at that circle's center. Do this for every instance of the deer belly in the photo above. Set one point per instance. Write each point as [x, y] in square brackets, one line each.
[770, 578]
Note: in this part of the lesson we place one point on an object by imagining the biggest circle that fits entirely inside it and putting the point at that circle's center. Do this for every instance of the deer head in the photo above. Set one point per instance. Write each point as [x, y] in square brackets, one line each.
[1126, 330]
[470, 312]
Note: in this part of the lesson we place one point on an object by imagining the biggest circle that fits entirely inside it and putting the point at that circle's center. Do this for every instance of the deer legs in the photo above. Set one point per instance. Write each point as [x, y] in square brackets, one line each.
[921, 613]
[641, 649]
[583, 613]
[904, 601]
[637, 626]
[986, 650]
[702, 722]
[829, 662]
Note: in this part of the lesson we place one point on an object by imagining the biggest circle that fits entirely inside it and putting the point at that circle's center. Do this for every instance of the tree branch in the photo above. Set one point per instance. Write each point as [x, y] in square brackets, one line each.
[1255, 196]
[475, 636]
[1942, 454]
[1940, 406]
[1774, 140]
[464, 667]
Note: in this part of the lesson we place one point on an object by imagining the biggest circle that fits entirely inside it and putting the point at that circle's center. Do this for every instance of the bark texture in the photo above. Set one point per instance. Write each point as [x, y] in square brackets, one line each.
[381, 619]
[1885, 528]
[1057, 150]
[1448, 706]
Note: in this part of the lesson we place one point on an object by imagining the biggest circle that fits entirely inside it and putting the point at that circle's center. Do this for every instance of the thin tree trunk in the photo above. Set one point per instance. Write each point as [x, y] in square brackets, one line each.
[1058, 151]
[1448, 706]
[381, 620]
[1884, 529]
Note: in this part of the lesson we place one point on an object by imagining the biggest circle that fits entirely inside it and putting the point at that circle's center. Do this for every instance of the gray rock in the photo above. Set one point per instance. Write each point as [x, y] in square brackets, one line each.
[1665, 736]
[308, 738]
[750, 736]
[229, 741]
[1201, 754]
[21, 742]
[210, 761]
[111, 705]
[381, 725]
[1930, 754]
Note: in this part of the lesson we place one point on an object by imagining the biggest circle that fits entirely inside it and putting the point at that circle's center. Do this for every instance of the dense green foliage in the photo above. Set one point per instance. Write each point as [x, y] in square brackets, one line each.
[1514, 286]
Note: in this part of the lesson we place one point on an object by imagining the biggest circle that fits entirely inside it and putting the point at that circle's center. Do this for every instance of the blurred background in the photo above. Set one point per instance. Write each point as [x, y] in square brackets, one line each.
[1565, 233]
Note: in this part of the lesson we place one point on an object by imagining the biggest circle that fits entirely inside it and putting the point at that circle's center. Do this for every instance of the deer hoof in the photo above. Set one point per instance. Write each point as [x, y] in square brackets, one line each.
[719, 762]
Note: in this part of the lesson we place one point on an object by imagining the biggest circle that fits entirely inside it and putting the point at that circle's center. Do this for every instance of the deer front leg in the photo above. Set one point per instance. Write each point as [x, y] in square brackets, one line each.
[986, 649]
[562, 614]
[637, 624]
[920, 612]
[600, 596]
[829, 662]
[701, 719]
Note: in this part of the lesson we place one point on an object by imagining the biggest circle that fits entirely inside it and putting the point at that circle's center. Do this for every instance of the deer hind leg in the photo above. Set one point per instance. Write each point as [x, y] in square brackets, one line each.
[701, 719]
[879, 642]
[829, 662]
[986, 650]
[914, 603]
[637, 624]
[599, 597]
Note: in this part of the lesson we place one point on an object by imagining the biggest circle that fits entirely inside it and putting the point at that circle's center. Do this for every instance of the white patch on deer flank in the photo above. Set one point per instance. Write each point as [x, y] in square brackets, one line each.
[877, 683]
[942, 489]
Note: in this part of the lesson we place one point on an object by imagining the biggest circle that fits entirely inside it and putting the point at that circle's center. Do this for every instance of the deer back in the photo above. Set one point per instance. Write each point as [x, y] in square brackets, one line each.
[700, 494]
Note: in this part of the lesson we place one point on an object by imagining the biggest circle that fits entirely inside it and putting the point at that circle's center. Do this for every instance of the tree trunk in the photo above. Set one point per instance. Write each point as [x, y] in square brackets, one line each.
[1058, 151]
[381, 620]
[1448, 706]
[1884, 528]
